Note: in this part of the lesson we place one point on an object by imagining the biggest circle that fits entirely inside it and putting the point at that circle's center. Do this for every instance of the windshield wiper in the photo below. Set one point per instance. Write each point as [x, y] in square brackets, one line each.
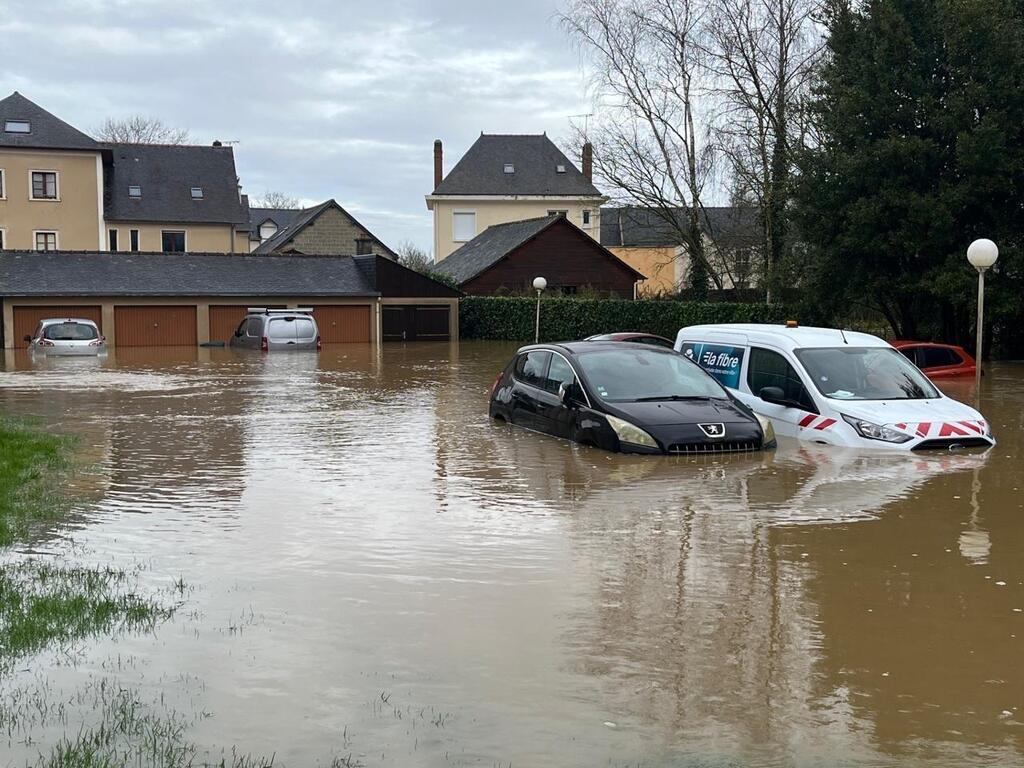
[674, 397]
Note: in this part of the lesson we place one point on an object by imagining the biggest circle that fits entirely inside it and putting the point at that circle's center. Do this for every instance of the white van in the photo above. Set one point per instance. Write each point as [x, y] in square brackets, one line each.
[833, 387]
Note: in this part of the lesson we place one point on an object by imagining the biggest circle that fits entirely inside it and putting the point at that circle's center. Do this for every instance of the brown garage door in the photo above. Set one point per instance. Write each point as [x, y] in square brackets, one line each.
[27, 318]
[342, 325]
[155, 326]
[412, 323]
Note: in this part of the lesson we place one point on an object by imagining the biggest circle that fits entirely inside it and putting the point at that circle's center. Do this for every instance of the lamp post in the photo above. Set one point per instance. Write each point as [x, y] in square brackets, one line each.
[539, 284]
[982, 254]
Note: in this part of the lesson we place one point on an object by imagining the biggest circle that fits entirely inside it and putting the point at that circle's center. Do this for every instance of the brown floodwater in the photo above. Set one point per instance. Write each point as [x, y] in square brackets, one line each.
[377, 570]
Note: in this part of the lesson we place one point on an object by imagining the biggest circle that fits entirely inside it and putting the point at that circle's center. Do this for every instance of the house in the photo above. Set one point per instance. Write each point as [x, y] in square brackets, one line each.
[63, 190]
[505, 178]
[185, 299]
[324, 229]
[505, 258]
[648, 240]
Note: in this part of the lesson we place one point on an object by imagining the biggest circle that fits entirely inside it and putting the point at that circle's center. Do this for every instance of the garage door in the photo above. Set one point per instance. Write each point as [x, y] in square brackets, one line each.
[342, 325]
[27, 318]
[412, 323]
[155, 326]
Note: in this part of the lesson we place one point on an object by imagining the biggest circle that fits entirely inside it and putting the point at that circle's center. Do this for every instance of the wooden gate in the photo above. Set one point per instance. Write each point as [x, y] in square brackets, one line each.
[27, 318]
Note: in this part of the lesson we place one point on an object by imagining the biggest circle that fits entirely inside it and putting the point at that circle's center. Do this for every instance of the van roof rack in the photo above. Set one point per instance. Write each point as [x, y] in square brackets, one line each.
[280, 311]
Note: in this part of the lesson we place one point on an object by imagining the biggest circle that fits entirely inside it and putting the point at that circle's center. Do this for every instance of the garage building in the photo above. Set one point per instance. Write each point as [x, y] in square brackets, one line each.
[186, 299]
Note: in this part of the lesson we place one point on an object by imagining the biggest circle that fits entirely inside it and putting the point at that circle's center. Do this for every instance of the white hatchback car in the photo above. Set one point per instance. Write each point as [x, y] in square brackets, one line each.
[67, 337]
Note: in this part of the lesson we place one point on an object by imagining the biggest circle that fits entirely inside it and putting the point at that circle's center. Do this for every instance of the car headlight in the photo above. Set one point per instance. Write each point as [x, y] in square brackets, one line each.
[631, 433]
[873, 431]
[767, 428]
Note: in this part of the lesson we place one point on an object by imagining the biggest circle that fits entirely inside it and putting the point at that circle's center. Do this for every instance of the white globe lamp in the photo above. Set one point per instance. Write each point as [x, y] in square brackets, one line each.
[982, 254]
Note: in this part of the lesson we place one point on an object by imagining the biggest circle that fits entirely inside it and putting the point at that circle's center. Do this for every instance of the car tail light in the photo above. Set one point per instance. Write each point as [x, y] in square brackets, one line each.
[497, 381]
[98, 342]
[46, 343]
[319, 343]
[264, 344]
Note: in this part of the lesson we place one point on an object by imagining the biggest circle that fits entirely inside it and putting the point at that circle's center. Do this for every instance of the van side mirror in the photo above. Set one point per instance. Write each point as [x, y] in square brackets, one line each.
[27, 339]
[570, 394]
[238, 333]
[774, 395]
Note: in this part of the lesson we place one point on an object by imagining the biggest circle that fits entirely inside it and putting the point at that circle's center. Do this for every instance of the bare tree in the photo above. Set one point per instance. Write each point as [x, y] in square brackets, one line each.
[138, 129]
[415, 258]
[650, 77]
[278, 200]
[762, 53]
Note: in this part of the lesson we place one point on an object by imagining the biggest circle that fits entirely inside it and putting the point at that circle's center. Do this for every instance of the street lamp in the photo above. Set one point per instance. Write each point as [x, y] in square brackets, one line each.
[539, 284]
[982, 254]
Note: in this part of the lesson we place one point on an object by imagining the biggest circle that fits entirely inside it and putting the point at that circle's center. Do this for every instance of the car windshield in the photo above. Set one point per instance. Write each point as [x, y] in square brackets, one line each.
[865, 373]
[631, 374]
[70, 332]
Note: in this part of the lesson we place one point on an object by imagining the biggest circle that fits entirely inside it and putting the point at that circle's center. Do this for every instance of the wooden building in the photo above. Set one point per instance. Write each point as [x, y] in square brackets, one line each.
[505, 258]
[185, 299]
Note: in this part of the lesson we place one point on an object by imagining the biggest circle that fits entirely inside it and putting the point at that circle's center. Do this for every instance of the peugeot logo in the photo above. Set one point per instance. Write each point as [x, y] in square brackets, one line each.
[713, 430]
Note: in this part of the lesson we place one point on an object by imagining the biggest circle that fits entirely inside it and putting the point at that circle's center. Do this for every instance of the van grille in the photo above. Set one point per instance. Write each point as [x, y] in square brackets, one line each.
[737, 446]
[947, 443]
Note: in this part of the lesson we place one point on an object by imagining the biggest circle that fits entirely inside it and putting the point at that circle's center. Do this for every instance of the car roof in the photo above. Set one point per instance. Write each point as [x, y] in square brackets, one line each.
[55, 320]
[779, 336]
[575, 347]
[902, 343]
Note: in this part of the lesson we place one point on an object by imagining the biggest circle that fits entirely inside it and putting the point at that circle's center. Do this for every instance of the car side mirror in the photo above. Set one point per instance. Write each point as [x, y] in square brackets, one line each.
[27, 339]
[774, 395]
[238, 333]
[570, 394]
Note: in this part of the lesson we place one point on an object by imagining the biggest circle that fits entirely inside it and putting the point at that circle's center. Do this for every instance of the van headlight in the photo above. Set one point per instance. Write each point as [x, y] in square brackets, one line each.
[873, 431]
[631, 433]
[767, 428]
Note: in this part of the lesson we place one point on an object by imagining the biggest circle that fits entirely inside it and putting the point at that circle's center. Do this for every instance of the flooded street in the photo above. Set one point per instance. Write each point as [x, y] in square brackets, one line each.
[376, 570]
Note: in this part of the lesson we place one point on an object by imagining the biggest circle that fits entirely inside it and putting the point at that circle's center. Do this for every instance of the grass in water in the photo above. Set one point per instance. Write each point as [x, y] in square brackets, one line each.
[29, 462]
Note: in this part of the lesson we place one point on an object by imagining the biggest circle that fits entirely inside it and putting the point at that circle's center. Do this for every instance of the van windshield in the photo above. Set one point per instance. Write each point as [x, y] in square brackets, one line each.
[865, 373]
[630, 375]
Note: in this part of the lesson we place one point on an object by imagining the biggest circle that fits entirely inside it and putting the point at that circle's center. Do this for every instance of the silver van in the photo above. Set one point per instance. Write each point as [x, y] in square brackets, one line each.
[277, 329]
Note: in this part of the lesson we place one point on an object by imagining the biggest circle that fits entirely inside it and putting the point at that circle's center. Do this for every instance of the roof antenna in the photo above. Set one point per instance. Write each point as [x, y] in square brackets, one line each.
[843, 334]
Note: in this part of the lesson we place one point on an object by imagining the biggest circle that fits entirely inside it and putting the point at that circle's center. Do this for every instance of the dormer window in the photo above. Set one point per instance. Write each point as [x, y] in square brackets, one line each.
[17, 126]
[559, 169]
[510, 168]
[197, 193]
[134, 191]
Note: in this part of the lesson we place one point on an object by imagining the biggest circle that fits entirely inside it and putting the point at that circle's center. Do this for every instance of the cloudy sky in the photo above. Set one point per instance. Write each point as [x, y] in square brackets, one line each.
[325, 98]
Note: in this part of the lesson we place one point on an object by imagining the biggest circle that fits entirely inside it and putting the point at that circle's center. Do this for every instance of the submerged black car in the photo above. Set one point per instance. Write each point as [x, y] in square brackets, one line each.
[624, 397]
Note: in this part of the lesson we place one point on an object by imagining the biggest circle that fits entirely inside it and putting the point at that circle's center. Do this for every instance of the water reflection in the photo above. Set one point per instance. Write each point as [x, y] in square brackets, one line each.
[563, 605]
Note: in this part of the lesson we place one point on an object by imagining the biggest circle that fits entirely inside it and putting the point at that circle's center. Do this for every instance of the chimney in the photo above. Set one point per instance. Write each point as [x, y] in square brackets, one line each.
[588, 161]
[217, 143]
[438, 163]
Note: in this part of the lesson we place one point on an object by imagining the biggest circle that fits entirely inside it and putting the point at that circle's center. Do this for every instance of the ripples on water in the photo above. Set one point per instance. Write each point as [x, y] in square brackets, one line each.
[356, 530]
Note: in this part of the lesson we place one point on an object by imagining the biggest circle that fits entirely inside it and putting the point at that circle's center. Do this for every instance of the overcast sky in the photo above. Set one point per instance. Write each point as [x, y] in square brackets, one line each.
[326, 98]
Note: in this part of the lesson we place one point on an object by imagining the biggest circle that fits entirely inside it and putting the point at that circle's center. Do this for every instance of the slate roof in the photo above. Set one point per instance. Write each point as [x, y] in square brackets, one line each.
[305, 217]
[729, 227]
[494, 243]
[89, 273]
[283, 217]
[167, 174]
[481, 171]
[48, 130]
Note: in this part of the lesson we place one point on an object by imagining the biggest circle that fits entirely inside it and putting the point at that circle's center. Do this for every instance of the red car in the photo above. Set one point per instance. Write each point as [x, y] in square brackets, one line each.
[634, 337]
[938, 361]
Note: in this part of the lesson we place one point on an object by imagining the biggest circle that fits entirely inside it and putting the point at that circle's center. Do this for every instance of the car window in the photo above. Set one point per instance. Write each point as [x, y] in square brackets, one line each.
[770, 369]
[281, 329]
[911, 353]
[559, 373]
[655, 342]
[865, 373]
[631, 374]
[935, 357]
[304, 328]
[254, 327]
[70, 332]
[531, 368]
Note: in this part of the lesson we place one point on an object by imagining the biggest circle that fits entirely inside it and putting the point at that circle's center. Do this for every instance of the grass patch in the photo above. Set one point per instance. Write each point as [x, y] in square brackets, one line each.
[30, 462]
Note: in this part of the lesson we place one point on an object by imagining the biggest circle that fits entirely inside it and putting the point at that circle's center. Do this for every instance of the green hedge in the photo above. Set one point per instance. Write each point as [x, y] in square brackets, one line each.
[512, 318]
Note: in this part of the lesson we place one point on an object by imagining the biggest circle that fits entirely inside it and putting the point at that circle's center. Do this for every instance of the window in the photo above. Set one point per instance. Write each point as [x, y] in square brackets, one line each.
[17, 126]
[134, 190]
[1, 239]
[620, 373]
[71, 331]
[46, 241]
[568, 290]
[3, 187]
[936, 357]
[172, 242]
[304, 328]
[133, 240]
[197, 193]
[865, 373]
[586, 218]
[364, 246]
[267, 230]
[559, 169]
[463, 226]
[44, 185]
[770, 369]
[281, 329]
[559, 373]
[112, 239]
[558, 213]
[510, 168]
[532, 368]
[254, 327]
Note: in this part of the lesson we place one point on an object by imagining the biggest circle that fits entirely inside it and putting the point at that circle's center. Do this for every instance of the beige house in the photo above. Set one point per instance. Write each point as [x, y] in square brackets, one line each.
[62, 190]
[504, 178]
